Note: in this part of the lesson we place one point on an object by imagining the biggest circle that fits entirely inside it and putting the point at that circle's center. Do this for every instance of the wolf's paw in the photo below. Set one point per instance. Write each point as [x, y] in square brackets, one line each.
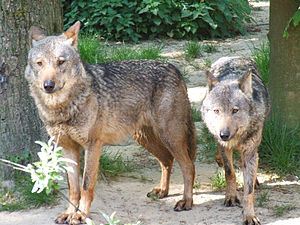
[77, 218]
[70, 218]
[62, 219]
[251, 220]
[231, 201]
[183, 205]
[157, 193]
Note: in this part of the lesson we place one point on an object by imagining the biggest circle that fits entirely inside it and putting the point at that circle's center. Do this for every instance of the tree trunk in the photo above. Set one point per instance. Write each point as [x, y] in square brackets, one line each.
[20, 125]
[284, 62]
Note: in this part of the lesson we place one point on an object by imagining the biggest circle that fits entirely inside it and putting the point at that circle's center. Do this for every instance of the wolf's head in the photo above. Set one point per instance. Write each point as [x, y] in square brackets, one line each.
[226, 109]
[53, 61]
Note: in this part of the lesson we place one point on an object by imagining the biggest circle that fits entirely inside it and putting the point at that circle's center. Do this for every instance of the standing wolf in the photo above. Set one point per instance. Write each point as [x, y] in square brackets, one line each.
[89, 106]
[234, 110]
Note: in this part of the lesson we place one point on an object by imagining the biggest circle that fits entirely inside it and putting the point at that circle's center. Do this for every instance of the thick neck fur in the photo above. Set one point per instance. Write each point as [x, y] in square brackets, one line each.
[62, 106]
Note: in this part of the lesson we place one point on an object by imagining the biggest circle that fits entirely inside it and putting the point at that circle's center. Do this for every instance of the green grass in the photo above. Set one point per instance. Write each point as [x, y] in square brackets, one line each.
[208, 149]
[92, 50]
[218, 181]
[279, 149]
[193, 49]
[196, 114]
[283, 209]
[113, 165]
[209, 48]
[20, 196]
[262, 198]
[261, 55]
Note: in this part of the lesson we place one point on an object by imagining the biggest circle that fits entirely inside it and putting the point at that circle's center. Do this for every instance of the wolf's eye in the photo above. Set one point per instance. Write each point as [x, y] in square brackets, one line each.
[235, 111]
[39, 63]
[216, 111]
[60, 62]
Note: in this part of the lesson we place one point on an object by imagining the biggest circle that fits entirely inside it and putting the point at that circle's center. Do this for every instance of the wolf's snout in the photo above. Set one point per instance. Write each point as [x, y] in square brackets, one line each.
[225, 134]
[49, 86]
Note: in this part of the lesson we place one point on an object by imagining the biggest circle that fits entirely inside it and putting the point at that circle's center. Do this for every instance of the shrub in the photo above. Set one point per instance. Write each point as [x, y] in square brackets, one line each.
[147, 19]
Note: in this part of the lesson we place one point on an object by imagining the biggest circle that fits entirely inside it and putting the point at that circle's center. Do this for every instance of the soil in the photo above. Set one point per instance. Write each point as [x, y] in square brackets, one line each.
[126, 194]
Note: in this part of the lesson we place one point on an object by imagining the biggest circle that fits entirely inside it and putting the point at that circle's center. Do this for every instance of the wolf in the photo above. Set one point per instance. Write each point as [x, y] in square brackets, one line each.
[234, 110]
[91, 105]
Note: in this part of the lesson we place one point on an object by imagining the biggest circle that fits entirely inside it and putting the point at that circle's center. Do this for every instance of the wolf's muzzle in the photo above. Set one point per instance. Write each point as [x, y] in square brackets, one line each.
[224, 135]
[49, 86]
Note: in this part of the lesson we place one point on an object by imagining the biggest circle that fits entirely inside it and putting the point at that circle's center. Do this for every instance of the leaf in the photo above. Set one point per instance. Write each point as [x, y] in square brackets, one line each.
[296, 18]
[157, 21]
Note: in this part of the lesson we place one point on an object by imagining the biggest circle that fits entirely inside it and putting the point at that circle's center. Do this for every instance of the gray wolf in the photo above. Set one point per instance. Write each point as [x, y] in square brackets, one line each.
[234, 110]
[89, 106]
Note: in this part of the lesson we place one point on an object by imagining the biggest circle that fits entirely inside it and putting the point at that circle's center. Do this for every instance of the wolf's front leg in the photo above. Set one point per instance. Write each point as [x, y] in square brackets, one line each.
[250, 159]
[73, 180]
[231, 198]
[91, 168]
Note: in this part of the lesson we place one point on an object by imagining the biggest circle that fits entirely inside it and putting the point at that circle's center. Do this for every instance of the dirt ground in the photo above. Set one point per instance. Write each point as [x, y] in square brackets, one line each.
[126, 194]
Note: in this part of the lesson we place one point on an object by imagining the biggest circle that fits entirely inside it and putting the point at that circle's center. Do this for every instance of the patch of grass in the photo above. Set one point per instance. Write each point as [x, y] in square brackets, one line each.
[93, 50]
[208, 145]
[114, 165]
[196, 114]
[207, 62]
[283, 209]
[261, 55]
[262, 198]
[193, 49]
[218, 181]
[279, 149]
[20, 197]
[209, 48]
[196, 184]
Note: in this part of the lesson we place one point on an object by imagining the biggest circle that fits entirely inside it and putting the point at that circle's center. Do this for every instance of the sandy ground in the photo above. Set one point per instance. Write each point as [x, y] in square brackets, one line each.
[126, 194]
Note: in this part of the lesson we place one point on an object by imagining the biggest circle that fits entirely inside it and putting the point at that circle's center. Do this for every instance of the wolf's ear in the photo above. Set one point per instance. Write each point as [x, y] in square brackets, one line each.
[35, 34]
[211, 80]
[245, 83]
[72, 33]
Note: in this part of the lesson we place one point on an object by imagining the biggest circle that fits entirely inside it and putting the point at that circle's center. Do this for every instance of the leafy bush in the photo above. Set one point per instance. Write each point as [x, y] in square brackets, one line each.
[147, 19]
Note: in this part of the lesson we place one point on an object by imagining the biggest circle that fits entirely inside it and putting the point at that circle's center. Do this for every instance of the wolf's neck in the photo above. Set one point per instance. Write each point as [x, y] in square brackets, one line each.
[63, 106]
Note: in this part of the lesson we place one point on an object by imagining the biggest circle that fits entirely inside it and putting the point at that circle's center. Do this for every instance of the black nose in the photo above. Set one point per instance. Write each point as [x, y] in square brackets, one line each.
[224, 134]
[49, 86]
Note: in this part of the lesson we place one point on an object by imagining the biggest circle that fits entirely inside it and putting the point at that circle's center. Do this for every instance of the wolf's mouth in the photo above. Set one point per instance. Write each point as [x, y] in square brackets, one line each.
[52, 90]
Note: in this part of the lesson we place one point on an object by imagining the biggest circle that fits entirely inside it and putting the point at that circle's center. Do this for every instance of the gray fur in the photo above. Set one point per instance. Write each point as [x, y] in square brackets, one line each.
[236, 104]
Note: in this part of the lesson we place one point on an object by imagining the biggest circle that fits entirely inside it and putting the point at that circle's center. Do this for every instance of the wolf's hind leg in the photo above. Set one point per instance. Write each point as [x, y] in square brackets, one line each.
[176, 140]
[146, 137]
[231, 198]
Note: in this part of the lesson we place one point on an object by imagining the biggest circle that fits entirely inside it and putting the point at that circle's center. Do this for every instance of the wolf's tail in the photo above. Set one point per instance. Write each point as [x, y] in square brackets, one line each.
[192, 138]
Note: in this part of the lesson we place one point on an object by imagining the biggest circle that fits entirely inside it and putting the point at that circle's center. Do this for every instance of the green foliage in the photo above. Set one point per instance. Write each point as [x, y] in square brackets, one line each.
[193, 49]
[196, 114]
[209, 48]
[147, 19]
[261, 55]
[92, 50]
[20, 196]
[208, 145]
[295, 19]
[111, 220]
[283, 209]
[279, 149]
[114, 164]
[262, 198]
[218, 181]
[47, 171]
